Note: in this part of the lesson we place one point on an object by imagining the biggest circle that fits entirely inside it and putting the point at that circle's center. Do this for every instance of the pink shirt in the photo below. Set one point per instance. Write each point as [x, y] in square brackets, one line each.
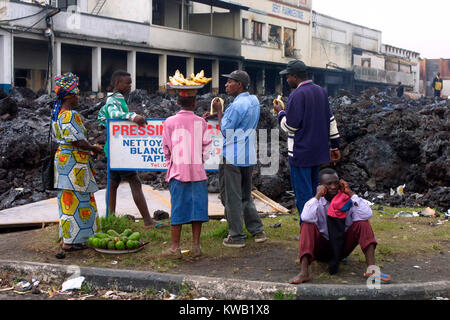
[186, 145]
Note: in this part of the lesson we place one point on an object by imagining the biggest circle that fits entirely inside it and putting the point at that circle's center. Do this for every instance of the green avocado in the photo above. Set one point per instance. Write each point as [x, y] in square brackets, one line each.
[127, 233]
[111, 245]
[130, 244]
[101, 235]
[113, 233]
[91, 241]
[135, 236]
[120, 245]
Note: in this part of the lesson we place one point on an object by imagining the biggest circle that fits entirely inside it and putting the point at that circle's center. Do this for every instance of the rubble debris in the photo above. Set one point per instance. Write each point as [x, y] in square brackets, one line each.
[428, 212]
[385, 142]
[276, 225]
[401, 190]
[404, 215]
[72, 284]
[160, 215]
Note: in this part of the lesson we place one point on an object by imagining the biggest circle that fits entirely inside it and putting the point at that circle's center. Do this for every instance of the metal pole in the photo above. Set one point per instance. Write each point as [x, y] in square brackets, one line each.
[107, 191]
[108, 169]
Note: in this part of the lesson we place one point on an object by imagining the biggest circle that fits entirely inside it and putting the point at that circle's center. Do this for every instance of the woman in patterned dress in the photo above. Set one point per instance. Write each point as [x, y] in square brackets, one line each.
[74, 171]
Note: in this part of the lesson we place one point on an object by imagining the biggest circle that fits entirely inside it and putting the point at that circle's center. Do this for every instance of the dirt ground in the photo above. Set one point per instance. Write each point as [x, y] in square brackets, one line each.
[271, 262]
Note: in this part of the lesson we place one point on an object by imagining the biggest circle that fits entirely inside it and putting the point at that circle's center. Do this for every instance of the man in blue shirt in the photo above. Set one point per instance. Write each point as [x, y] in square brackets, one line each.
[238, 125]
[312, 132]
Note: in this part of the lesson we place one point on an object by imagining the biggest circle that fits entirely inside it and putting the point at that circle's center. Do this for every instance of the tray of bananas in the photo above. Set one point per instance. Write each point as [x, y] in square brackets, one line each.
[195, 81]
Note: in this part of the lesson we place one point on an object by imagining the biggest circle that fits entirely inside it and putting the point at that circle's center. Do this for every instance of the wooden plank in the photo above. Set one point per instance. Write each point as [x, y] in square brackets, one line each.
[28, 224]
[47, 211]
[262, 197]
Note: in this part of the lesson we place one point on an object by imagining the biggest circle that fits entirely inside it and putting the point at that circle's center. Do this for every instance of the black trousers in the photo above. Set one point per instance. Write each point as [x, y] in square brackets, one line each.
[336, 233]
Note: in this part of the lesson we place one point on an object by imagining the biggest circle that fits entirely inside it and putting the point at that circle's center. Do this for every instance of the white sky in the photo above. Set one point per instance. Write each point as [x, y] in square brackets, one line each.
[415, 25]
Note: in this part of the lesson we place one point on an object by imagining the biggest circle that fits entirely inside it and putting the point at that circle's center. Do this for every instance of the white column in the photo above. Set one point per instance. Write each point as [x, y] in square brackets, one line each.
[56, 64]
[162, 67]
[280, 86]
[83, 5]
[240, 65]
[131, 68]
[56, 58]
[183, 8]
[190, 63]
[237, 18]
[215, 76]
[261, 82]
[96, 69]
[211, 31]
[6, 61]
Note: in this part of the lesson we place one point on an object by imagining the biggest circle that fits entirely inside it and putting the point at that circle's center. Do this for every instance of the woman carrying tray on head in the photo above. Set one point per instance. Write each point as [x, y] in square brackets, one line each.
[186, 146]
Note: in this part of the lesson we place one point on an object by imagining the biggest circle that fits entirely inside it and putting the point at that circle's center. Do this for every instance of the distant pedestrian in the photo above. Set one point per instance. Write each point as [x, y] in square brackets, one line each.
[437, 85]
[186, 146]
[400, 90]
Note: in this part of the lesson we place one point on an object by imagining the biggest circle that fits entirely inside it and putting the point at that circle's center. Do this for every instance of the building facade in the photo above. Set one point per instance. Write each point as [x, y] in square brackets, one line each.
[151, 39]
[429, 68]
[358, 50]
[274, 33]
[93, 38]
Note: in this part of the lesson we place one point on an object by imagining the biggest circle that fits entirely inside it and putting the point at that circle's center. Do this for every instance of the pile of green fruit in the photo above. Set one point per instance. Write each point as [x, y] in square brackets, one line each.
[127, 240]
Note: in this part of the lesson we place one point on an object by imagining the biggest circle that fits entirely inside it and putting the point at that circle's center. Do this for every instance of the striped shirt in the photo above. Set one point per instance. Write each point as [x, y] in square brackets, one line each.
[310, 125]
[115, 108]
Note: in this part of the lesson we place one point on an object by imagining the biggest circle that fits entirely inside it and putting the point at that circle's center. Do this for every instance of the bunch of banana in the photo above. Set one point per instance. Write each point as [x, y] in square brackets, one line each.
[194, 80]
[212, 104]
[280, 101]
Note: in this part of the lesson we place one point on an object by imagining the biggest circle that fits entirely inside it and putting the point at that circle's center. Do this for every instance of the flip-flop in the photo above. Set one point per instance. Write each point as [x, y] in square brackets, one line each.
[301, 281]
[157, 226]
[382, 278]
[160, 226]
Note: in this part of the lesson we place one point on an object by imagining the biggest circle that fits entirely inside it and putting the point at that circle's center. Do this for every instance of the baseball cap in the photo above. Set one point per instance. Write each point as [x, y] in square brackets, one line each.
[240, 76]
[294, 67]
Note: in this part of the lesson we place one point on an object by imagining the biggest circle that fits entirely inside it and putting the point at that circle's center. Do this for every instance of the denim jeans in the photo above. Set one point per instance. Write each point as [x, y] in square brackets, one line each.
[304, 182]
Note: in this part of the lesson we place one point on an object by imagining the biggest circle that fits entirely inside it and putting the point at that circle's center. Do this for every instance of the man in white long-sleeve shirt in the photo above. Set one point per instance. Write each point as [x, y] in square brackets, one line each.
[314, 242]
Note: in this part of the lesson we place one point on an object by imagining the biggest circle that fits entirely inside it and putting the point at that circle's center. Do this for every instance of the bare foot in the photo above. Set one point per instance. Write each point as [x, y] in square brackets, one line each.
[300, 278]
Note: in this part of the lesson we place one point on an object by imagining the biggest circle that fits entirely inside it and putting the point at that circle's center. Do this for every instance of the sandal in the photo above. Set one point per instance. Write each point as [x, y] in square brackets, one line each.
[382, 278]
[172, 254]
[157, 226]
[196, 252]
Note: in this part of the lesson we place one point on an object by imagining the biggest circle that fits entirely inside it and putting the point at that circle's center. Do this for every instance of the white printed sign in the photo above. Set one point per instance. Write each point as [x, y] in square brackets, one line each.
[140, 148]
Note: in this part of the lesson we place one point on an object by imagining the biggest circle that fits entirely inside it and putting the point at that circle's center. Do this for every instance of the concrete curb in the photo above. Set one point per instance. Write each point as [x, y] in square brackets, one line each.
[224, 289]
